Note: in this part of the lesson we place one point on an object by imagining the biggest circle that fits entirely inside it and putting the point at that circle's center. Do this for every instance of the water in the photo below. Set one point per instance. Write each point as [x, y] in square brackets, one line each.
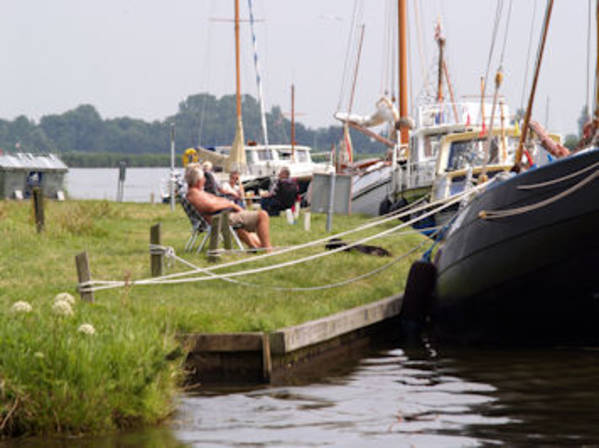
[101, 183]
[396, 398]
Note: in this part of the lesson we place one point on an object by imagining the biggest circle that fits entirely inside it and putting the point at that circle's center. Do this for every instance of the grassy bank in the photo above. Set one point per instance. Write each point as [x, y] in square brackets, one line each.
[55, 377]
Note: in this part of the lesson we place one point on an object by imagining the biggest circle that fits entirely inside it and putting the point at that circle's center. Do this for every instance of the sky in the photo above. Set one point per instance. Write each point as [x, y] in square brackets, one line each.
[140, 58]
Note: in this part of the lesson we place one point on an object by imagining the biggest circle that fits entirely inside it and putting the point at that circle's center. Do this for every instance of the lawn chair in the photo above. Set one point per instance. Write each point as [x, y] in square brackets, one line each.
[199, 224]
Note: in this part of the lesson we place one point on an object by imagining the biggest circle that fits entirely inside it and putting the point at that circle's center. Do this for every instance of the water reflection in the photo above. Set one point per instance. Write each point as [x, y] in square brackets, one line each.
[396, 398]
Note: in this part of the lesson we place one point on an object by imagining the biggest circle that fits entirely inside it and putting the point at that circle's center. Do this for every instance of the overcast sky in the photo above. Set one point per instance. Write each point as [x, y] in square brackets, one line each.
[140, 58]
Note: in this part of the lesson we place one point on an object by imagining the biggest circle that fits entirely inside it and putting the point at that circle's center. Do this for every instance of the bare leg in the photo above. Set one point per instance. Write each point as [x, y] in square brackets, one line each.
[248, 238]
[263, 229]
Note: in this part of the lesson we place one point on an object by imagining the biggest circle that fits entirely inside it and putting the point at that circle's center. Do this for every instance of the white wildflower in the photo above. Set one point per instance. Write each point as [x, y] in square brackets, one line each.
[62, 308]
[86, 329]
[64, 297]
[21, 307]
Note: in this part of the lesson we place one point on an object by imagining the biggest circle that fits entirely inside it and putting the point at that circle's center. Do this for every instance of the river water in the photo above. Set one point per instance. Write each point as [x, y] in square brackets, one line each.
[391, 397]
[101, 183]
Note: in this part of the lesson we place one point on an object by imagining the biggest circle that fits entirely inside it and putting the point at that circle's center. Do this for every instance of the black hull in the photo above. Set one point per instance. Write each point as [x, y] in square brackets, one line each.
[525, 279]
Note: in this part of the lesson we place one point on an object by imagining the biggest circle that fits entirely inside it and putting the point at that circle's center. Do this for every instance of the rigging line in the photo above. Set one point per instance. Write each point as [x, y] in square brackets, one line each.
[420, 46]
[304, 259]
[532, 23]
[327, 238]
[385, 55]
[507, 27]
[498, 11]
[347, 53]
[208, 77]
[258, 77]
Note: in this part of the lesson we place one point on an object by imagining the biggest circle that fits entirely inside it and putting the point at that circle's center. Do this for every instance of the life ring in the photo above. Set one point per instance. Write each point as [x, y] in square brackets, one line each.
[190, 156]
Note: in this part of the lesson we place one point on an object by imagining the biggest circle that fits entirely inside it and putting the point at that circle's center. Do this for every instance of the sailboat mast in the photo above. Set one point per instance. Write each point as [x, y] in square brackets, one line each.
[402, 21]
[237, 61]
[292, 122]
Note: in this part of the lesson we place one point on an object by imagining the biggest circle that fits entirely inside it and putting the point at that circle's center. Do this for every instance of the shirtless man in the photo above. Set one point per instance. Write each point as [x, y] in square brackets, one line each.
[247, 222]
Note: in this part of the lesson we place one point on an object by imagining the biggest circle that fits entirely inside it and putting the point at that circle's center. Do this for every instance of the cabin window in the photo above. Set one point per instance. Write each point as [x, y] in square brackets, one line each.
[301, 155]
[265, 155]
[465, 154]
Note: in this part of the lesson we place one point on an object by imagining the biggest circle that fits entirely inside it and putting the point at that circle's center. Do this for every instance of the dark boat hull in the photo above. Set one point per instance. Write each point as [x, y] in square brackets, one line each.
[529, 278]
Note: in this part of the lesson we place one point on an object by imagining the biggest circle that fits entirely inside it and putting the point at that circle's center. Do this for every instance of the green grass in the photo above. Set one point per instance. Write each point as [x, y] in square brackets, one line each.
[56, 379]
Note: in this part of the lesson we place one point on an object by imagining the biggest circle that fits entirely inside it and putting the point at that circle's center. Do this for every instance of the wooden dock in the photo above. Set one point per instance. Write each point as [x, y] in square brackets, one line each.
[242, 358]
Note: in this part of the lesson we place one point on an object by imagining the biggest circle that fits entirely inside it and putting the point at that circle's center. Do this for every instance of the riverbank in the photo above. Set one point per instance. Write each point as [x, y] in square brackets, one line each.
[55, 378]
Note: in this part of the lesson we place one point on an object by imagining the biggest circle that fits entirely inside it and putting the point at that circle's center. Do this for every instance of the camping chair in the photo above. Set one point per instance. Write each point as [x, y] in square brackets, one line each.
[199, 224]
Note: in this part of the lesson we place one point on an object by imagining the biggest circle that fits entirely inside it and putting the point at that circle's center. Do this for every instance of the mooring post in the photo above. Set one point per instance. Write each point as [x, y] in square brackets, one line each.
[156, 257]
[266, 359]
[38, 208]
[214, 234]
[120, 192]
[226, 230]
[83, 276]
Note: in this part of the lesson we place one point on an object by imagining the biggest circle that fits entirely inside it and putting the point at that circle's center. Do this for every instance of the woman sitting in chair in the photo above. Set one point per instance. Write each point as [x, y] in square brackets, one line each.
[245, 222]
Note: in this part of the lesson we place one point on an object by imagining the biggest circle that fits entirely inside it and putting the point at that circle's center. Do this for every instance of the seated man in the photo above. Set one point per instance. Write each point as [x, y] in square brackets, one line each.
[233, 189]
[208, 204]
[282, 196]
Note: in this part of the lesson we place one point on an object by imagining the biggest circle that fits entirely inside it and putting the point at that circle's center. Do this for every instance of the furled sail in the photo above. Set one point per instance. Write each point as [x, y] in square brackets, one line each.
[386, 112]
[236, 159]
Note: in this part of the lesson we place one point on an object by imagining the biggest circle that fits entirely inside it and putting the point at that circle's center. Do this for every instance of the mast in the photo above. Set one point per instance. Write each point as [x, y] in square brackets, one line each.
[292, 122]
[258, 78]
[236, 159]
[237, 62]
[441, 42]
[531, 98]
[402, 20]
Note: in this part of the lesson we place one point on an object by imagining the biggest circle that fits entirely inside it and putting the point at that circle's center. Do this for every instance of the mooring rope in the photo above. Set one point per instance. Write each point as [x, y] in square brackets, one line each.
[87, 287]
[559, 179]
[497, 214]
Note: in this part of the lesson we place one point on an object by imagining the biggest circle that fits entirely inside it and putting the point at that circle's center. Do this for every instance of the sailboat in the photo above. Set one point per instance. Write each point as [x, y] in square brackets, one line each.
[519, 262]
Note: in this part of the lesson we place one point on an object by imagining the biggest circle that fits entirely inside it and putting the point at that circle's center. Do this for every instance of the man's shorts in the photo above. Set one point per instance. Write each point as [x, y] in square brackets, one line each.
[245, 220]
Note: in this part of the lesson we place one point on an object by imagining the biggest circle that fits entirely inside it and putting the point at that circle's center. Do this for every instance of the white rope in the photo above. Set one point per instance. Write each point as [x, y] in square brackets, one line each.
[338, 235]
[160, 280]
[497, 214]
[558, 180]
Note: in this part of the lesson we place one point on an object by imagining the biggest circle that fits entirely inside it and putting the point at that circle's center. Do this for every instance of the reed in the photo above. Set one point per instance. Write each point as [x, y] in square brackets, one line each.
[56, 378]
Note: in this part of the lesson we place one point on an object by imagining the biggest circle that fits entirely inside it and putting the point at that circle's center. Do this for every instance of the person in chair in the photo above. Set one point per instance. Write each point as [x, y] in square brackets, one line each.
[253, 227]
[283, 194]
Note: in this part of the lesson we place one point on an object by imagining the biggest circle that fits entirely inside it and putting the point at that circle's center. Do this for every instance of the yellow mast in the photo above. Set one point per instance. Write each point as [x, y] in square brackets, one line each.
[236, 159]
[402, 19]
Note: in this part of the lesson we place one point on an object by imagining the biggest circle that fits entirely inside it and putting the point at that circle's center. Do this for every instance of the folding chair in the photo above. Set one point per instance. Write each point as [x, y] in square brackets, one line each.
[199, 224]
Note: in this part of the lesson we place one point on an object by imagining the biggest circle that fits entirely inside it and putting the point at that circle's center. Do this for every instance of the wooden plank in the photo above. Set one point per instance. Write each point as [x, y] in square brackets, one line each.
[226, 342]
[156, 259]
[84, 275]
[266, 359]
[293, 338]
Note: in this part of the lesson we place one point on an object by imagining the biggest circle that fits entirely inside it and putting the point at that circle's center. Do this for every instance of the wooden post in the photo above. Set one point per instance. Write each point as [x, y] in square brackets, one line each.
[214, 234]
[157, 259]
[38, 208]
[226, 230]
[83, 276]
[266, 359]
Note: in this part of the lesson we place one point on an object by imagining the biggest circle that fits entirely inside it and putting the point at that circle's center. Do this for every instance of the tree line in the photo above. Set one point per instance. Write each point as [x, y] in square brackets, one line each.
[83, 138]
